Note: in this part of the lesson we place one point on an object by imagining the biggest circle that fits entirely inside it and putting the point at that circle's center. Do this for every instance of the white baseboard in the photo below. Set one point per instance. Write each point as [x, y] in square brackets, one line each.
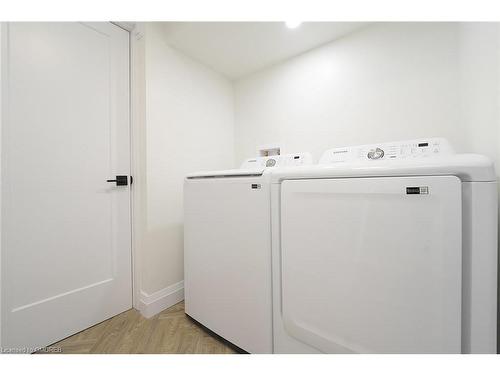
[152, 304]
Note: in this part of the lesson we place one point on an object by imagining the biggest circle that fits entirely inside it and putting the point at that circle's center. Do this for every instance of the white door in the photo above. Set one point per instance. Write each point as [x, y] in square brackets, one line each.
[66, 249]
[373, 265]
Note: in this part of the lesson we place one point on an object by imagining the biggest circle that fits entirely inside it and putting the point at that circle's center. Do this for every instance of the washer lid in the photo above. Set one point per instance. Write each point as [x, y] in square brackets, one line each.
[468, 167]
[227, 173]
[255, 167]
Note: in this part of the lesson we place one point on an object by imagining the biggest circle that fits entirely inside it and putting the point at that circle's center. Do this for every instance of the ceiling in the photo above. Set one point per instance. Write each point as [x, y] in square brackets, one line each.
[236, 49]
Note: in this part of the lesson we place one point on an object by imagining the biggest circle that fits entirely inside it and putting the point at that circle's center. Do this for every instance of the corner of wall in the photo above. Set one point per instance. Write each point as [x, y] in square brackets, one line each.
[152, 304]
[138, 153]
[232, 82]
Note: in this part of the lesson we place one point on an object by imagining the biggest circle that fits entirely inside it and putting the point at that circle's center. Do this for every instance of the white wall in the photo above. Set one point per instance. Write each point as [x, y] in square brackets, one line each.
[382, 83]
[189, 127]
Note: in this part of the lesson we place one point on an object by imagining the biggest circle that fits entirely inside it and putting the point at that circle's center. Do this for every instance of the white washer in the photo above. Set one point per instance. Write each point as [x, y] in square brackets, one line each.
[387, 248]
[227, 250]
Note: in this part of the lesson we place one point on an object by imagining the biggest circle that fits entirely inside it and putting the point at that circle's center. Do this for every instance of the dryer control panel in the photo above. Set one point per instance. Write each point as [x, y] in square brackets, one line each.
[287, 160]
[417, 148]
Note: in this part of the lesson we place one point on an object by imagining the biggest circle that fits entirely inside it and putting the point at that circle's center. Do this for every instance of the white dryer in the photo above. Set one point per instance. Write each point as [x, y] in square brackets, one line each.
[227, 250]
[388, 248]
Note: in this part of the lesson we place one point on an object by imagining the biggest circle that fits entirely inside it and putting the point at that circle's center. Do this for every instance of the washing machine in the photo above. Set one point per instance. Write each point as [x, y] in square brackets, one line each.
[386, 248]
[227, 250]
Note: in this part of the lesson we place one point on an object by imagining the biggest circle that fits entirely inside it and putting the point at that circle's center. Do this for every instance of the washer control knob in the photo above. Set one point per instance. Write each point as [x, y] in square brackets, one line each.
[377, 153]
[270, 162]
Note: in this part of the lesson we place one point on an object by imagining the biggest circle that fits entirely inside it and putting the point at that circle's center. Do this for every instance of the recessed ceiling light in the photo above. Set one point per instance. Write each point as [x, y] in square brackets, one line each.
[293, 24]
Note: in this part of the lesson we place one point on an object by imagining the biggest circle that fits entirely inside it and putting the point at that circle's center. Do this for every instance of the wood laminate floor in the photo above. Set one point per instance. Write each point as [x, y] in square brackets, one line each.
[171, 331]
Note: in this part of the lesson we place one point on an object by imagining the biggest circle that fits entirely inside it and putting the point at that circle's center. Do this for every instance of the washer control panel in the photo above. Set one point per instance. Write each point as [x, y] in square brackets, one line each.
[288, 160]
[418, 148]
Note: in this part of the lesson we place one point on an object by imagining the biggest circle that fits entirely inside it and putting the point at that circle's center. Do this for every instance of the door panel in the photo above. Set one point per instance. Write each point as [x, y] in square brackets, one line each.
[367, 267]
[66, 257]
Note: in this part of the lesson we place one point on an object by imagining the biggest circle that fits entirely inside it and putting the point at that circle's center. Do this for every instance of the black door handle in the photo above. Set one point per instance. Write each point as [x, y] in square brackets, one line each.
[120, 180]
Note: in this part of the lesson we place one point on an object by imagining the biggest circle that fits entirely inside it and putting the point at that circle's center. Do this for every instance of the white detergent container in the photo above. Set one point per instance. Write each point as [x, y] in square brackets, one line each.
[227, 250]
[386, 248]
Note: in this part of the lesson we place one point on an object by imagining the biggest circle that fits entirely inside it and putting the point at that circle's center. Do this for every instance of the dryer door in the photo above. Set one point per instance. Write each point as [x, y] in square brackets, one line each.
[372, 265]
